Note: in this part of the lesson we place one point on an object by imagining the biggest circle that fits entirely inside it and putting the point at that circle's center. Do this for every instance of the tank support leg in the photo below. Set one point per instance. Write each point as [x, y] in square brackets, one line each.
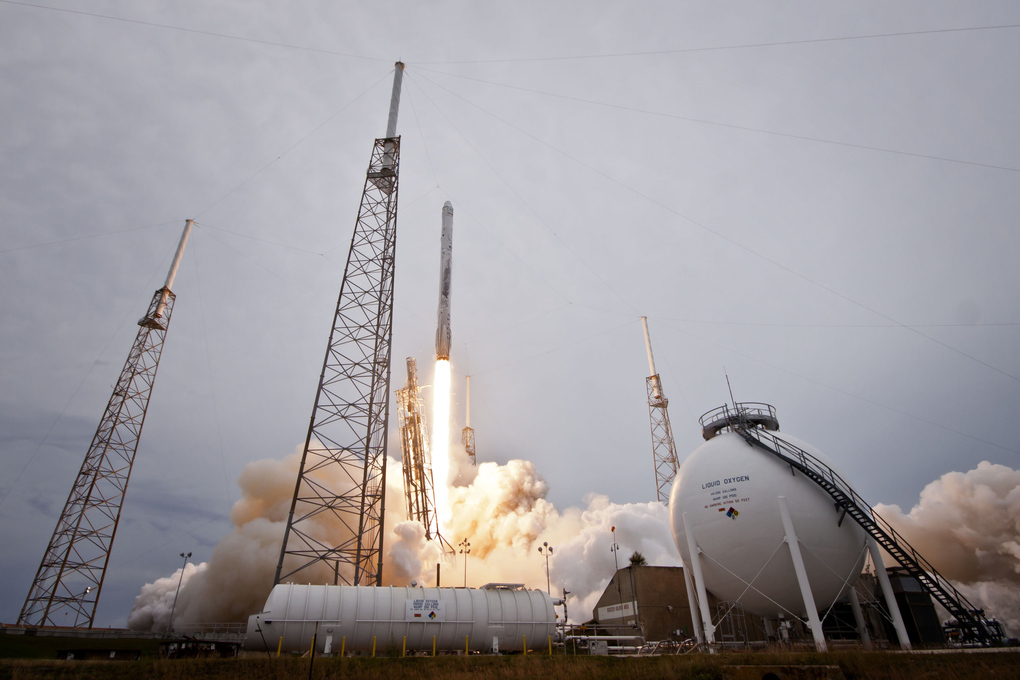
[802, 579]
[887, 592]
[692, 601]
[699, 581]
[862, 628]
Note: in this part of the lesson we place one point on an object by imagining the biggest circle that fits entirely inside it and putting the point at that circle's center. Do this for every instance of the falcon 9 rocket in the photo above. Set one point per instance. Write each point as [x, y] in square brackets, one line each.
[445, 266]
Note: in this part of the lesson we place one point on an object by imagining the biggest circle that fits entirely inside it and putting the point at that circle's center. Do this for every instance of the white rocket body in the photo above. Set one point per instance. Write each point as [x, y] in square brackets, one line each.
[445, 269]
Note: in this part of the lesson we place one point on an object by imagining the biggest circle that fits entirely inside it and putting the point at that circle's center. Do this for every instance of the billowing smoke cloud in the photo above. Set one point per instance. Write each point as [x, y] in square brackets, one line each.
[967, 524]
[236, 580]
[501, 510]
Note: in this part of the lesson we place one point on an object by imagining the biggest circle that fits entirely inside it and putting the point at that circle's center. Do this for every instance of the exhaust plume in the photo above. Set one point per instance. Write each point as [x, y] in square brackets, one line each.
[500, 509]
[238, 577]
[441, 441]
[967, 524]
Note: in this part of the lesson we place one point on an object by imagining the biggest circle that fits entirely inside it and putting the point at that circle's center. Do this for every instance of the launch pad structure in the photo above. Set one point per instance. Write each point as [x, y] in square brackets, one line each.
[342, 476]
[67, 585]
[419, 489]
[467, 435]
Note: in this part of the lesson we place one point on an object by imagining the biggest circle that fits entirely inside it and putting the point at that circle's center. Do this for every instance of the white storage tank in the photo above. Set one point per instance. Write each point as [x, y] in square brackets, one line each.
[729, 492]
[354, 618]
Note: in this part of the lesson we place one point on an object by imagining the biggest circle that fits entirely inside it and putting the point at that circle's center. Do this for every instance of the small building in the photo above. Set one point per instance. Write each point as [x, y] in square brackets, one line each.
[652, 602]
[916, 607]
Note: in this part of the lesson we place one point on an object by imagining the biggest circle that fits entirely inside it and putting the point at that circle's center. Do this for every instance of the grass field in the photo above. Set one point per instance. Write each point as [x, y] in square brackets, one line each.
[854, 666]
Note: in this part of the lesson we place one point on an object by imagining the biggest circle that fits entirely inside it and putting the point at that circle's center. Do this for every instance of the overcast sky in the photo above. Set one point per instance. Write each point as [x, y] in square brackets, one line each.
[819, 200]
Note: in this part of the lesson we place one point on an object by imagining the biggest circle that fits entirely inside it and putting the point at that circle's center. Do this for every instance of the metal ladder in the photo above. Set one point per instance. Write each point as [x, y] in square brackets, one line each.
[971, 621]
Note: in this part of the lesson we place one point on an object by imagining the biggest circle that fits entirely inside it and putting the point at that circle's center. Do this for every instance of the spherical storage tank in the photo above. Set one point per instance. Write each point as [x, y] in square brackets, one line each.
[360, 618]
[728, 491]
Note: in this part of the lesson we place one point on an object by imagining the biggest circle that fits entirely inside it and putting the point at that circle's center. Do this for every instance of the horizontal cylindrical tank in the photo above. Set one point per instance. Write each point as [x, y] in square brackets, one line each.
[729, 492]
[358, 618]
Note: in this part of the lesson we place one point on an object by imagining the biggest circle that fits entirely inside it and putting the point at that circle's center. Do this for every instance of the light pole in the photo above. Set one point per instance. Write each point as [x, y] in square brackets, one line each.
[173, 608]
[614, 548]
[465, 550]
[548, 551]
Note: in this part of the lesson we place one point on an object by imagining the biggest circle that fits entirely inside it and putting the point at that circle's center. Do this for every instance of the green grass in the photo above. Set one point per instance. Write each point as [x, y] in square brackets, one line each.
[855, 666]
[46, 647]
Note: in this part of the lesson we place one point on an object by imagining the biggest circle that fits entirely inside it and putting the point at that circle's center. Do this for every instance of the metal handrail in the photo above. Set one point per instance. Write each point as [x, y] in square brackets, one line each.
[740, 409]
[891, 539]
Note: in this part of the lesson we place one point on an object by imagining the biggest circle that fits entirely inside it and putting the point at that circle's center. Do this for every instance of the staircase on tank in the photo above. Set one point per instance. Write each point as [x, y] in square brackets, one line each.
[757, 431]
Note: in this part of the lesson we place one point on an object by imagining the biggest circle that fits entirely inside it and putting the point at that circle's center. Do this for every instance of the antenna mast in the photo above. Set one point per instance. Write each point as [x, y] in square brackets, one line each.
[663, 448]
[335, 525]
[67, 585]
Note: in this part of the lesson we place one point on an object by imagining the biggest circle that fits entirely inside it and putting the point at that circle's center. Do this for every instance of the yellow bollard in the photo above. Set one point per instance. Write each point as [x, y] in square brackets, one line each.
[433, 645]
[343, 645]
[466, 645]
[403, 650]
[373, 646]
[525, 644]
[279, 647]
[550, 645]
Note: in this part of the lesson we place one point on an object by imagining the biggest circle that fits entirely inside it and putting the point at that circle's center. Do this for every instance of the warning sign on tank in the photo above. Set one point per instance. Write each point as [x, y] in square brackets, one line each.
[425, 611]
[724, 493]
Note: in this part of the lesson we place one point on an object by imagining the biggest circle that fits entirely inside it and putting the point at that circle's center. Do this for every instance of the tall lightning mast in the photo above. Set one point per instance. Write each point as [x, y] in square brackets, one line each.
[341, 482]
[663, 449]
[67, 585]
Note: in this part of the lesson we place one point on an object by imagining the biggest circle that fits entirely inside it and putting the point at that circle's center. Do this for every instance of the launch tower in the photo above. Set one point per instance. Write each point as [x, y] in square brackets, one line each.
[467, 436]
[342, 477]
[419, 491]
[663, 449]
[67, 585]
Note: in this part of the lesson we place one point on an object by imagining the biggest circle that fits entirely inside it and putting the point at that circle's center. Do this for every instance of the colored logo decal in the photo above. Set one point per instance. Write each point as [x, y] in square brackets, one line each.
[432, 615]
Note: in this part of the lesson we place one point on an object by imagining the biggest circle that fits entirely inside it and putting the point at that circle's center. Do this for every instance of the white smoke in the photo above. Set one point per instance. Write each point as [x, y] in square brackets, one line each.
[236, 580]
[501, 510]
[967, 524]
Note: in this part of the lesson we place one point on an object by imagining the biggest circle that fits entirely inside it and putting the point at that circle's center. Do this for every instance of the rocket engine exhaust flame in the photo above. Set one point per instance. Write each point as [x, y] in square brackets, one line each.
[441, 441]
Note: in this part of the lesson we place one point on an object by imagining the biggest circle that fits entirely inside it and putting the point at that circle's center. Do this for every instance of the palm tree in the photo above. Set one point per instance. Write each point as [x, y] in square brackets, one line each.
[638, 560]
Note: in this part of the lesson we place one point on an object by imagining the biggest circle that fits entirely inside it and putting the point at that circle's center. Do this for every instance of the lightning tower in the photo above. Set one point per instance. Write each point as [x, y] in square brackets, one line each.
[663, 449]
[419, 491]
[67, 585]
[342, 477]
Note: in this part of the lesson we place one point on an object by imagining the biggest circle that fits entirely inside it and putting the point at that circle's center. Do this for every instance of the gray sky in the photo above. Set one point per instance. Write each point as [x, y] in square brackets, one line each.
[829, 216]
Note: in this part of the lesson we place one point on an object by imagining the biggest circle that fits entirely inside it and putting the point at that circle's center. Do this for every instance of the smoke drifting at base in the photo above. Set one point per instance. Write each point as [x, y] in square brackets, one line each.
[500, 509]
[238, 577]
[967, 524]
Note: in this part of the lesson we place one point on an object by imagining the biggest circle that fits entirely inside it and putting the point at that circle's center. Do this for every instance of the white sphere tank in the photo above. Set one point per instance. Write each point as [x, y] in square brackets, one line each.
[728, 492]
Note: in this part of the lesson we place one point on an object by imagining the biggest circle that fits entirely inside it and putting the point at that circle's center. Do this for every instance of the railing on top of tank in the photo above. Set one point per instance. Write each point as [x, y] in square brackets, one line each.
[741, 410]
[820, 468]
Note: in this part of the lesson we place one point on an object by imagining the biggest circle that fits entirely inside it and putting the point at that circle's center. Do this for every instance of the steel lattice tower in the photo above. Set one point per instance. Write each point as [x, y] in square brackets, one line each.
[419, 490]
[335, 524]
[663, 448]
[70, 576]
